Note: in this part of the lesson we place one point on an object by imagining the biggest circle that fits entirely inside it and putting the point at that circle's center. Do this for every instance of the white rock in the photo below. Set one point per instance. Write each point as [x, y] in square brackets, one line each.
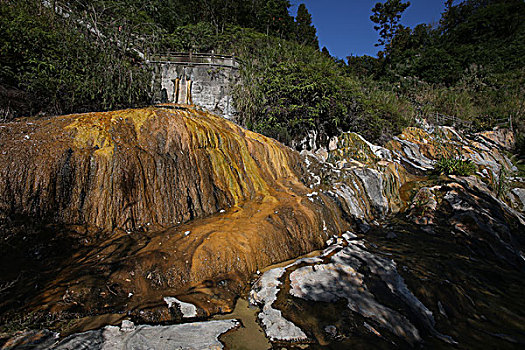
[188, 310]
[187, 336]
[264, 293]
[127, 326]
[520, 194]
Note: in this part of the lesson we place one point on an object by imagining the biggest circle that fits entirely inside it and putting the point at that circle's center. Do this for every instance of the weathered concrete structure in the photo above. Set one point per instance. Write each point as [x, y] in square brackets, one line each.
[205, 80]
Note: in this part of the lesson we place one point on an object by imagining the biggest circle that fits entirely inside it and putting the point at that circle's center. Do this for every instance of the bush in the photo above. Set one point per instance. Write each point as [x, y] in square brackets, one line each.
[287, 89]
[200, 37]
[59, 65]
[454, 166]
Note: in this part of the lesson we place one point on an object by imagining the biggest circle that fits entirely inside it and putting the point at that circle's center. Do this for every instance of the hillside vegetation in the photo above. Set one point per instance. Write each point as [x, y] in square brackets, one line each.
[471, 65]
[74, 56]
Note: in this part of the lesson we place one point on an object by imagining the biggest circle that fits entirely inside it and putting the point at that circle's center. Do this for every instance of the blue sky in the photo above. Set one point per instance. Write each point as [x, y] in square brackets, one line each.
[345, 28]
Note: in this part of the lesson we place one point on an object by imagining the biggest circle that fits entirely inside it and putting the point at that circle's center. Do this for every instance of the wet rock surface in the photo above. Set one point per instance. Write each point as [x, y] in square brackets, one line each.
[164, 214]
[132, 169]
[449, 283]
[368, 180]
[275, 325]
[423, 271]
[128, 207]
[189, 336]
[339, 273]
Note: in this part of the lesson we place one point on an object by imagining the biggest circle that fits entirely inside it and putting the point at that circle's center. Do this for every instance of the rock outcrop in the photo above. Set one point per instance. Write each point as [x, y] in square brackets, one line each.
[164, 214]
[426, 244]
[339, 273]
[458, 246]
[134, 168]
[193, 336]
[157, 202]
[371, 181]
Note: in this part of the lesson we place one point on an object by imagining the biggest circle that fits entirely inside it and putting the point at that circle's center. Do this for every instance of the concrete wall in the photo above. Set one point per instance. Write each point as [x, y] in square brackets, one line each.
[208, 86]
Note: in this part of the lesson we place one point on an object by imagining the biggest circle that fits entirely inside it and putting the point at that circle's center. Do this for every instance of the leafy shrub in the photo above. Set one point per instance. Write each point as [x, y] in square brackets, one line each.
[58, 65]
[200, 37]
[287, 89]
[454, 166]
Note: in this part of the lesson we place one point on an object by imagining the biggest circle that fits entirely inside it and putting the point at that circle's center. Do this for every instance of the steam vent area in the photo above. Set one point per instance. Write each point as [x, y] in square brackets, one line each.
[169, 227]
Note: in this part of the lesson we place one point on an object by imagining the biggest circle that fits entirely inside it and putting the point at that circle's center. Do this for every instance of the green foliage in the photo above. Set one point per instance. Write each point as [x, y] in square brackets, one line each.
[485, 33]
[275, 19]
[200, 37]
[84, 56]
[471, 66]
[59, 66]
[454, 166]
[384, 112]
[386, 16]
[301, 97]
[288, 89]
[305, 31]
[519, 147]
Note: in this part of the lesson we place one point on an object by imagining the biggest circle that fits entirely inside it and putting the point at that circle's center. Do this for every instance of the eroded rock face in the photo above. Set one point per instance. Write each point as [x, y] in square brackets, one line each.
[264, 294]
[368, 180]
[408, 282]
[449, 233]
[190, 336]
[158, 202]
[365, 190]
[338, 273]
[420, 148]
[135, 168]
[500, 137]
[165, 213]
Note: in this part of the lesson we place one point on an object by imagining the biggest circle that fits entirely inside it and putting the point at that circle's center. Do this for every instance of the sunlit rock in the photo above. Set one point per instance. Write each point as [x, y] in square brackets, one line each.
[334, 275]
[124, 208]
[150, 202]
[423, 206]
[264, 293]
[188, 310]
[519, 193]
[188, 336]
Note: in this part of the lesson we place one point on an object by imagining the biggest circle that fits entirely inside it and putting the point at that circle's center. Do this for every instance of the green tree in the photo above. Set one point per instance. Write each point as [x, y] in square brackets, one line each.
[387, 16]
[449, 17]
[306, 33]
[275, 18]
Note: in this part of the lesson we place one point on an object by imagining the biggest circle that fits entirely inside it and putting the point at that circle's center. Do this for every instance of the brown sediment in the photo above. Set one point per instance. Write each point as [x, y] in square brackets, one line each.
[132, 168]
[191, 260]
[118, 210]
[250, 336]
[189, 205]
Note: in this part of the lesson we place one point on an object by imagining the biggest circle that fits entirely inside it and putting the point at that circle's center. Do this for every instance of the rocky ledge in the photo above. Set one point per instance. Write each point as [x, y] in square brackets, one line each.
[165, 214]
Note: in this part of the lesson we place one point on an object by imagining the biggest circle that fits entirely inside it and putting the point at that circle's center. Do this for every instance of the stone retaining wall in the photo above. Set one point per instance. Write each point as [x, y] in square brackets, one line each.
[203, 83]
